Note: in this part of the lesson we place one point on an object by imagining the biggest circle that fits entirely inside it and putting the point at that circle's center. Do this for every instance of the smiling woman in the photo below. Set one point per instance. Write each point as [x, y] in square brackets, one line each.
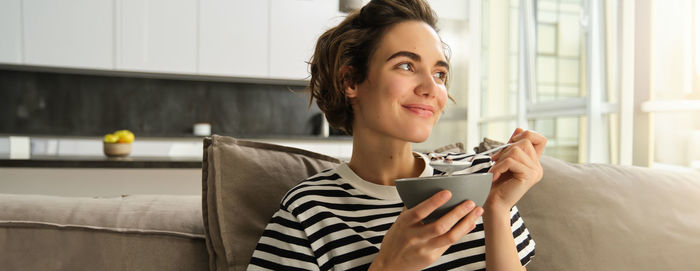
[381, 75]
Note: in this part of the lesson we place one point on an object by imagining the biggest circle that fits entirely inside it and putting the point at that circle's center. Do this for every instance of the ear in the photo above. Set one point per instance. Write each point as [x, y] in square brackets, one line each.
[349, 85]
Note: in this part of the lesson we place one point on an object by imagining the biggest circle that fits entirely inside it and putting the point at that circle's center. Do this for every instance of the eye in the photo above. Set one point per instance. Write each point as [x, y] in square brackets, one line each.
[405, 66]
[440, 75]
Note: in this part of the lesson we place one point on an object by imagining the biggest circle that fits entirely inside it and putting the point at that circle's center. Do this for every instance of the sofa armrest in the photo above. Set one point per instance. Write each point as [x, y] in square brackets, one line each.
[143, 232]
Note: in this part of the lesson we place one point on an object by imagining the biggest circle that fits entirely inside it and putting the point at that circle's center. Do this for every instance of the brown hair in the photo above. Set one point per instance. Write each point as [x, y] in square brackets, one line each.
[351, 44]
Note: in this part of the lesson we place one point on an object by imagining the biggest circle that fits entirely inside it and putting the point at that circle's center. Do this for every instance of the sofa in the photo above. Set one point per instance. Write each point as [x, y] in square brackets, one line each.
[582, 217]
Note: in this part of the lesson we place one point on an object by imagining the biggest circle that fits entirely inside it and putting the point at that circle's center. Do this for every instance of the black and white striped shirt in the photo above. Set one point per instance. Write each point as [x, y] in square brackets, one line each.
[334, 220]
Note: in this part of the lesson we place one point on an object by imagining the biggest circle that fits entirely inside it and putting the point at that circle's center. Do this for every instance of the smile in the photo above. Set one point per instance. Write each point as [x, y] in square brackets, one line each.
[420, 109]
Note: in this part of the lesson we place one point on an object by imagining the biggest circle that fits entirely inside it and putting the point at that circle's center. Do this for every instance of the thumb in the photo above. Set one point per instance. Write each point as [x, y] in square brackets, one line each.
[515, 133]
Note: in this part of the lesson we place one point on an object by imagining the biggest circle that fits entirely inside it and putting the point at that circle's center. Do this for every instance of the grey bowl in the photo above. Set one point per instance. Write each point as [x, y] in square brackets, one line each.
[473, 187]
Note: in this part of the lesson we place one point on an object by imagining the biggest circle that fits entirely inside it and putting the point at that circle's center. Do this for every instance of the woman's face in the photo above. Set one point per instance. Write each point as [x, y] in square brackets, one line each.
[404, 91]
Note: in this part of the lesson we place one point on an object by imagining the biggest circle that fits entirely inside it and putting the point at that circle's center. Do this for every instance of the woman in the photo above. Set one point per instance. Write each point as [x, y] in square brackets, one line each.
[381, 76]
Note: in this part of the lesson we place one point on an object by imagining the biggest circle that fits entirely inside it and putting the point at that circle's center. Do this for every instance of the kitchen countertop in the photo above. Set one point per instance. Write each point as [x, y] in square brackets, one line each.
[55, 161]
[153, 152]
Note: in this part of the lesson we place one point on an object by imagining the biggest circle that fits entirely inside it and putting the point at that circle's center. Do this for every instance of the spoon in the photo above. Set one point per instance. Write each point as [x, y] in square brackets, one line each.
[450, 166]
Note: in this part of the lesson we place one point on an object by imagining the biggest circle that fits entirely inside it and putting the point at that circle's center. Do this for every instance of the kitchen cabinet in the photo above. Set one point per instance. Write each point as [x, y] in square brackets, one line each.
[68, 33]
[233, 38]
[295, 25]
[236, 38]
[156, 36]
[11, 32]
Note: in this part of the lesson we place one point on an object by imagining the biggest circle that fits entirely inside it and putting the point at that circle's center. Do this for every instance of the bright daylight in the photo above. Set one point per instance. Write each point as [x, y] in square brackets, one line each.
[349, 135]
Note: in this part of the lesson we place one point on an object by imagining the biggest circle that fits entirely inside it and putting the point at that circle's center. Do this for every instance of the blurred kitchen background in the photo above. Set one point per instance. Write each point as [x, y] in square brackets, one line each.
[606, 81]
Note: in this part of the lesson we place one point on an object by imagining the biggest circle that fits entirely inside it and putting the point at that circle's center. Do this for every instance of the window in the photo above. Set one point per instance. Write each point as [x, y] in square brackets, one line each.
[536, 61]
[674, 94]
[605, 80]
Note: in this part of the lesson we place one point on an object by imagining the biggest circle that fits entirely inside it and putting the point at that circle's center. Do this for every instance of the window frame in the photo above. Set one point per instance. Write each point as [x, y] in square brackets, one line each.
[591, 106]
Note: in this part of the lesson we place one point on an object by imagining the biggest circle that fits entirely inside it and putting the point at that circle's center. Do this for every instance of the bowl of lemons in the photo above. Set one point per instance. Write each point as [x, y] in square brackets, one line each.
[118, 144]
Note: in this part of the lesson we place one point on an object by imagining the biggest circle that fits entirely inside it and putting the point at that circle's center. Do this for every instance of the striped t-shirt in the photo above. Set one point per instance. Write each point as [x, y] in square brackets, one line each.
[335, 220]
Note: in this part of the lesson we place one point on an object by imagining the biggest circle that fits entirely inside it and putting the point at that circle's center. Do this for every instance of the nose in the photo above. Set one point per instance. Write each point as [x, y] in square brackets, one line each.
[428, 86]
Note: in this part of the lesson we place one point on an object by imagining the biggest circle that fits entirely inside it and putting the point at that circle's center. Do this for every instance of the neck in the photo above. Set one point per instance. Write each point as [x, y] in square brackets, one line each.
[382, 160]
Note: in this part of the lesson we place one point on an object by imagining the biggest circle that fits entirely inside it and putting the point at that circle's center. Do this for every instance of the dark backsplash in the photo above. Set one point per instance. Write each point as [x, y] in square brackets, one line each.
[42, 103]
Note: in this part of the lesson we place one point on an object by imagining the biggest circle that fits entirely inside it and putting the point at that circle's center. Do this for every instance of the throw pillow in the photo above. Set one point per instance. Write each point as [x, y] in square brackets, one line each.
[243, 183]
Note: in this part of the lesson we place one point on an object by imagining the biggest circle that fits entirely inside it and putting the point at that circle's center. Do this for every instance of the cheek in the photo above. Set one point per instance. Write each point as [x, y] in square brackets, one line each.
[390, 93]
[397, 87]
[442, 99]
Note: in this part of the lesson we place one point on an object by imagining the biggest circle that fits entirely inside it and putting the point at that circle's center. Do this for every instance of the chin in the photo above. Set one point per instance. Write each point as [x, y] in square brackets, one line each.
[416, 136]
[420, 132]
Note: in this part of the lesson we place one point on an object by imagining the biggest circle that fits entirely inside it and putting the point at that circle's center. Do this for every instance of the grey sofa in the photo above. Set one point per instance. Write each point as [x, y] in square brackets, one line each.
[140, 232]
[582, 217]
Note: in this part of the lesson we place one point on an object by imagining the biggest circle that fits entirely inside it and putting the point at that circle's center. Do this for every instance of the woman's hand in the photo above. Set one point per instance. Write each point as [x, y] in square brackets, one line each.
[411, 245]
[517, 168]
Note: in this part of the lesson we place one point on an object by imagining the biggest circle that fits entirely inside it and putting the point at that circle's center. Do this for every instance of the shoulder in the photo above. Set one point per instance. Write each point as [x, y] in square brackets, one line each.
[319, 187]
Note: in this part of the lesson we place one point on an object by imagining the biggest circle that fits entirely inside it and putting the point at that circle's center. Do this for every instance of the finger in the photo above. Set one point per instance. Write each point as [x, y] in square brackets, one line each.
[425, 208]
[447, 221]
[511, 140]
[528, 158]
[509, 164]
[538, 141]
[494, 156]
[499, 168]
[462, 228]
[515, 133]
[524, 145]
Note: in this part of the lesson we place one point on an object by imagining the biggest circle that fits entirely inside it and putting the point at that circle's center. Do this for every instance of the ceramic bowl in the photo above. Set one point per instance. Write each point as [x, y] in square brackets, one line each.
[117, 149]
[473, 187]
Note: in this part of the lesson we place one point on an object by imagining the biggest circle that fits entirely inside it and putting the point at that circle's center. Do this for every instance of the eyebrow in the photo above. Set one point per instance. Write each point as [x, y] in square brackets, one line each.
[417, 58]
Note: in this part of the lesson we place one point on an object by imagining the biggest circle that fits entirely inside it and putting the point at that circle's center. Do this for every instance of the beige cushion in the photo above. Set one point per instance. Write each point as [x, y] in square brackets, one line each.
[142, 232]
[243, 183]
[605, 217]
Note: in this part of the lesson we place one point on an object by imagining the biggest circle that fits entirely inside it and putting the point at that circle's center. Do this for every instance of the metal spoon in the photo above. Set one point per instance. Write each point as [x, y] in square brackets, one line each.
[452, 166]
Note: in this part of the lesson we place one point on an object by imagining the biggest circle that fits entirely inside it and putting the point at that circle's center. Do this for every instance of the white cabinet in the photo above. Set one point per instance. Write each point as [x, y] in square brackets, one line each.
[10, 32]
[156, 35]
[233, 38]
[68, 33]
[295, 25]
[236, 38]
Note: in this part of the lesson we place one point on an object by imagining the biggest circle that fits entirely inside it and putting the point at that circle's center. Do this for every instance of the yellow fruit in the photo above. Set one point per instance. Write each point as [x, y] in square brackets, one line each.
[122, 132]
[125, 136]
[128, 138]
[111, 138]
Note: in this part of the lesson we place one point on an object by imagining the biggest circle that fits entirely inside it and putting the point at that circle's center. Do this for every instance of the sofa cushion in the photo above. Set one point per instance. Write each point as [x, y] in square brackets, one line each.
[607, 217]
[141, 232]
[243, 183]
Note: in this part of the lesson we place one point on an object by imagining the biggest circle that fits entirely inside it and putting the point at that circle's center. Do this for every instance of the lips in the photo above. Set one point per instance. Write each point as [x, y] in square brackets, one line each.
[422, 110]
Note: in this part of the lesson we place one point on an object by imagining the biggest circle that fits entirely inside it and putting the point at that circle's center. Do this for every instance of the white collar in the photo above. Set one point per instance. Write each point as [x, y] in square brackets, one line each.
[387, 192]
